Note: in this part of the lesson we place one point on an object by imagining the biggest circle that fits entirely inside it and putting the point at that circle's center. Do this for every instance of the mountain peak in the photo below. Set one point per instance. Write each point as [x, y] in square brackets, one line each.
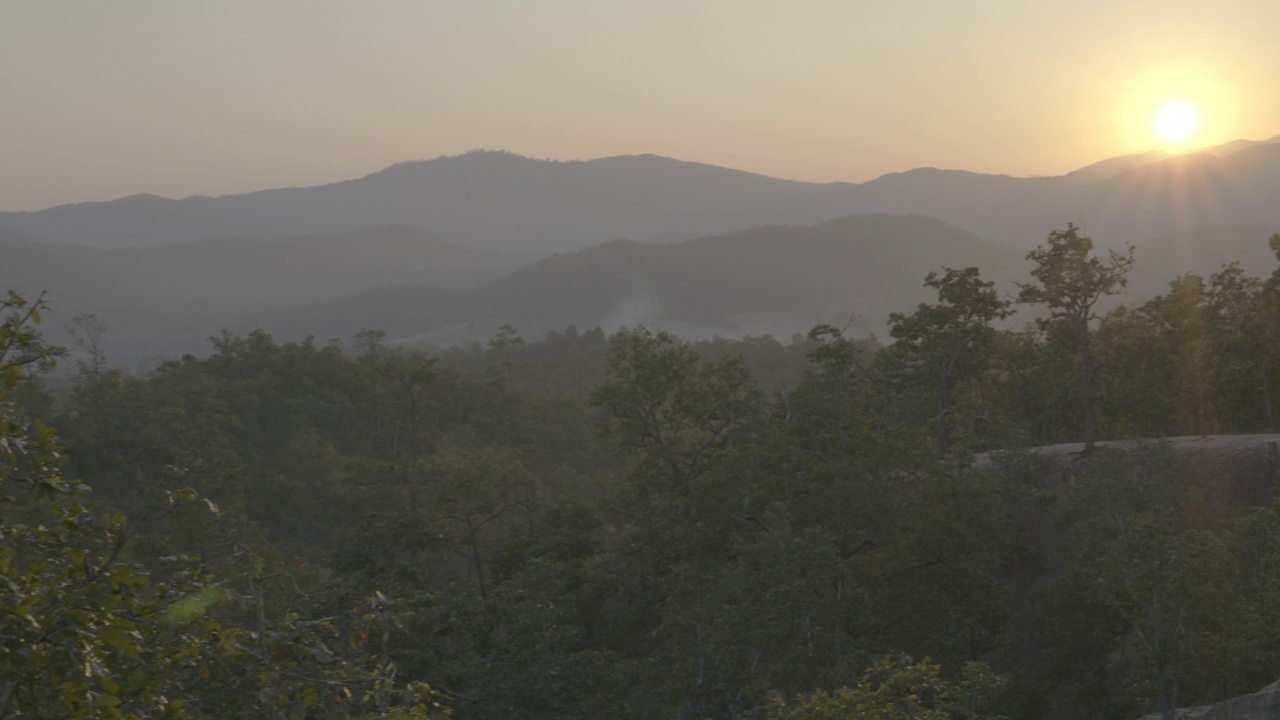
[1113, 166]
[1120, 164]
[482, 157]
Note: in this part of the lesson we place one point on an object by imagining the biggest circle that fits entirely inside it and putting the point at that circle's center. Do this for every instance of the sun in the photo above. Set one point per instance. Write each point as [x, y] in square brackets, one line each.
[1176, 120]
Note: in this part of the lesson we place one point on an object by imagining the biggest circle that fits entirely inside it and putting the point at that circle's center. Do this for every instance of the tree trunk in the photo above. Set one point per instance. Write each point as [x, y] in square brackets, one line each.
[474, 542]
[1167, 710]
[1086, 385]
[944, 407]
[1200, 402]
[971, 428]
[5, 696]
[1266, 397]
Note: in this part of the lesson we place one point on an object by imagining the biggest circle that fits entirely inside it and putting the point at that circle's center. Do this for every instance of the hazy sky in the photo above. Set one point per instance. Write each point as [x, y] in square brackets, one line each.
[105, 99]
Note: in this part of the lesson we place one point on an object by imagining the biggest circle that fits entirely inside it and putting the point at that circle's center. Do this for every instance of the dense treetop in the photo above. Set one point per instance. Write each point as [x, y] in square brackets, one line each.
[633, 526]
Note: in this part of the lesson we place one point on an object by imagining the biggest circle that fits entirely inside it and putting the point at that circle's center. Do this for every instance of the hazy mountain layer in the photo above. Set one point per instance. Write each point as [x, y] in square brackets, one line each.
[182, 286]
[507, 202]
[484, 199]
[778, 280]
[1201, 250]
[775, 279]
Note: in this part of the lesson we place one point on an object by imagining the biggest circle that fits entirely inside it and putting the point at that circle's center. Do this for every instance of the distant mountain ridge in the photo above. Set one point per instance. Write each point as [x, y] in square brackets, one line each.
[780, 280]
[769, 280]
[777, 280]
[502, 201]
[492, 200]
[774, 279]
[219, 278]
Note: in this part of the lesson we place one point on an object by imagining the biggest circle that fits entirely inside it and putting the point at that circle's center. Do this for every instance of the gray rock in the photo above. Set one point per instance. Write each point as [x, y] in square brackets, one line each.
[1262, 705]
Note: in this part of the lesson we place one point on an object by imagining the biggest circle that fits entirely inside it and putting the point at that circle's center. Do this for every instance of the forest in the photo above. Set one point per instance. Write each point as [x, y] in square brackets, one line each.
[633, 526]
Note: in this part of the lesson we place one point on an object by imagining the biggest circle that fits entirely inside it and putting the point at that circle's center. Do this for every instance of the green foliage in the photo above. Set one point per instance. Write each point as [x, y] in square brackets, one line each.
[95, 626]
[323, 531]
[84, 625]
[898, 688]
[940, 346]
[676, 411]
[1070, 281]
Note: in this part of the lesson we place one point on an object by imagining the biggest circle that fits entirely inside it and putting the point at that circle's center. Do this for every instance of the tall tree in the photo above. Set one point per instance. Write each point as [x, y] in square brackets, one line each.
[1182, 316]
[1240, 314]
[949, 341]
[1069, 281]
[1136, 366]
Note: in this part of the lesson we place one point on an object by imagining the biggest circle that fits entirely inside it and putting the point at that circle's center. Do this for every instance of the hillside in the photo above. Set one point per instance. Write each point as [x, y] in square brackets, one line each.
[152, 298]
[771, 280]
[776, 279]
[1202, 250]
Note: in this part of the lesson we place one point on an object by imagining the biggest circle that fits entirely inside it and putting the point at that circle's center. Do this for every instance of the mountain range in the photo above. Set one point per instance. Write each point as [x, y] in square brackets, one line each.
[770, 280]
[447, 250]
[501, 201]
[218, 278]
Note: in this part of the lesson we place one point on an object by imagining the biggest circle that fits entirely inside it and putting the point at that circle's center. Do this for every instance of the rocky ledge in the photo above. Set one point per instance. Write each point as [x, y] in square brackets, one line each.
[1242, 469]
[1262, 705]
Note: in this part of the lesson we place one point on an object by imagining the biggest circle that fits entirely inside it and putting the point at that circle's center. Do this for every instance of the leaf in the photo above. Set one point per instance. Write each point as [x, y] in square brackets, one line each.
[321, 653]
[119, 640]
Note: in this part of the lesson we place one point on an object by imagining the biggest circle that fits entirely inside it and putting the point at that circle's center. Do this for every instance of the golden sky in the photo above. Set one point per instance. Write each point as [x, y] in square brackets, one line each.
[105, 99]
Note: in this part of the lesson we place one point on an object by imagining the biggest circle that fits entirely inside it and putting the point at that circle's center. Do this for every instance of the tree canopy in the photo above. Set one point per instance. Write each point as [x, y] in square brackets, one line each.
[631, 525]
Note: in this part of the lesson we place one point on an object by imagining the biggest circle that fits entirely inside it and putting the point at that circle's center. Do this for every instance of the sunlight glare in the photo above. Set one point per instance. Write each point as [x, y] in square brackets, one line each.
[1176, 120]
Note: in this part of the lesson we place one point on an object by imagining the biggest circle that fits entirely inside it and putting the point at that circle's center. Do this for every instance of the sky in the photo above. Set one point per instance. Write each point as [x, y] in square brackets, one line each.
[99, 100]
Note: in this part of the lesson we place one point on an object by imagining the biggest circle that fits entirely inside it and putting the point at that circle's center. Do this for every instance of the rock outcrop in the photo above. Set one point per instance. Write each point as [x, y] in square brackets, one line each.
[1262, 705]
[1240, 470]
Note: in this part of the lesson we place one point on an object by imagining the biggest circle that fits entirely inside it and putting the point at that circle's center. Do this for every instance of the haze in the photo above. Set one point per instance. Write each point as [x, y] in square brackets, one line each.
[105, 100]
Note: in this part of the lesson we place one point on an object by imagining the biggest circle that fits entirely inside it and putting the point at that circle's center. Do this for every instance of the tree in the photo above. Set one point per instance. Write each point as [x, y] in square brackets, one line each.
[670, 407]
[1137, 366]
[99, 620]
[1070, 281]
[892, 508]
[949, 341]
[84, 629]
[1241, 315]
[1181, 314]
[88, 332]
[1144, 552]
[1273, 282]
